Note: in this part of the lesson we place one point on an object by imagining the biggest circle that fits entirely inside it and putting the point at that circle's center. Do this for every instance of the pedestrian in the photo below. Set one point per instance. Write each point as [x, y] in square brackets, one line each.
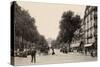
[33, 55]
[81, 47]
[85, 51]
[53, 51]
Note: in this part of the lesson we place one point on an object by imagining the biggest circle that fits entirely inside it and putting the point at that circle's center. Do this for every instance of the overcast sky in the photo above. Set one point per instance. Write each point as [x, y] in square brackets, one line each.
[47, 15]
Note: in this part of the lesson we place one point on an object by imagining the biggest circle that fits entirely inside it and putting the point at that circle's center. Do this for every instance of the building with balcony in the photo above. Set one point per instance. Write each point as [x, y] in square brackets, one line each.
[90, 25]
[88, 31]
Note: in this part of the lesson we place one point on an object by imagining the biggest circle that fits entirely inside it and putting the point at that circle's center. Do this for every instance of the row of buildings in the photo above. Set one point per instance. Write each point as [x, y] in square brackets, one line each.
[88, 31]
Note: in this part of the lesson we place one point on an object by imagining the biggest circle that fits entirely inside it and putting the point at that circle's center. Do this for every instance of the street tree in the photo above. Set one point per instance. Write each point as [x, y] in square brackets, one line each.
[68, 25]
[25, 28]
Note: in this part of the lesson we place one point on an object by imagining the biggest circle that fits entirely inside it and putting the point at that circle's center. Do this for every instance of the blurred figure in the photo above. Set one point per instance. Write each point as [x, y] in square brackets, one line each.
[81, 47]
[52, 51]
[86, 50]
[33, 55]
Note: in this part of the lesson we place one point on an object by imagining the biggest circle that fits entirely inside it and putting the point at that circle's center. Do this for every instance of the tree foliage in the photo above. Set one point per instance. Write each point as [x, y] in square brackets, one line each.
[68, 25]
[24, 26]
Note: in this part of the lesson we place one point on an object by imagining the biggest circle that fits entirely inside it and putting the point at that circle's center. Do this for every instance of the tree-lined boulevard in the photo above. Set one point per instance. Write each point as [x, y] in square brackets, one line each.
[30, 47]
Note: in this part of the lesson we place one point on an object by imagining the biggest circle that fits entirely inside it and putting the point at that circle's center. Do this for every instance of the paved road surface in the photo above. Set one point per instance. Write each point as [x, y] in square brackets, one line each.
[57, 58]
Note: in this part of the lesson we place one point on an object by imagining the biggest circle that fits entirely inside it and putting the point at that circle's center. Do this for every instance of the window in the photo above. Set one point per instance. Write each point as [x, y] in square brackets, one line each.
[91, 16]
[88, 33]
[93, 31]
[95, 15]
[93, 39]
[89, 41]
[88, 17]
[85, 40]
[92, 23]
[88, 25]
[85, 34]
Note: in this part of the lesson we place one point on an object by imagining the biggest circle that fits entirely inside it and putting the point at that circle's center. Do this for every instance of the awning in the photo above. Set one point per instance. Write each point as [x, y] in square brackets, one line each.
[75, 45]
[87, 45]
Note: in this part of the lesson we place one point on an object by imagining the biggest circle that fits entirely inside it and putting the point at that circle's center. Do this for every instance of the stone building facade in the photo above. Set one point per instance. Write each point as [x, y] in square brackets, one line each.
[89, 25]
